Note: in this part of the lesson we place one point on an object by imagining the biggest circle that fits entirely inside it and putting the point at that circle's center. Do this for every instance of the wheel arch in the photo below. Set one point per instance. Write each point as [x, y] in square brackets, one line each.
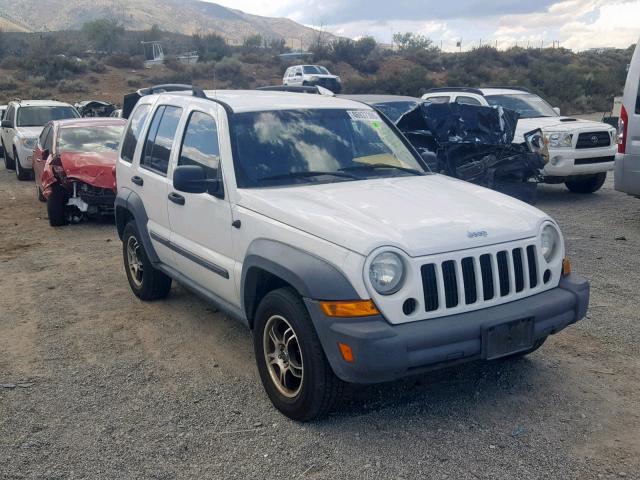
[128, 207]
[270, 265]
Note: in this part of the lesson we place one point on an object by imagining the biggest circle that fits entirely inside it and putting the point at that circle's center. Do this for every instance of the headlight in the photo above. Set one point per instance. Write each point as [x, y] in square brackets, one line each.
[338, 79]
[549, 242]
[29, 142]
[559, 140]
[386, 273]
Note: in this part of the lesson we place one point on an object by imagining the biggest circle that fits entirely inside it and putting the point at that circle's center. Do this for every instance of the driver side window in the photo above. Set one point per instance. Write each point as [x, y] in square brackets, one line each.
[200, 144]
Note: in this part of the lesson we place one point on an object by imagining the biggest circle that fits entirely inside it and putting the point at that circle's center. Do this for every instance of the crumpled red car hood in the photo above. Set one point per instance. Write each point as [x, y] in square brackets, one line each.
[96, 169]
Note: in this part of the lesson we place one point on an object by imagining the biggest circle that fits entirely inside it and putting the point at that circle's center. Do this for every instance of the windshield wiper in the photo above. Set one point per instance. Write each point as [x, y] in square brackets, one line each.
[376, 166]
[307, 174]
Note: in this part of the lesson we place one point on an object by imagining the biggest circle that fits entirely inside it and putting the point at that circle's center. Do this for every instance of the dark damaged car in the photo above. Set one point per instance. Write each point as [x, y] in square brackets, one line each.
[74, 166]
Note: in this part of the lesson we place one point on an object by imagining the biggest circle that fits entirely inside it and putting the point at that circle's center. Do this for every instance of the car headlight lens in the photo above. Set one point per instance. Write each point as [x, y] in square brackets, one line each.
[29, 142]
[386, 273]
[550, 242]
[559, 140]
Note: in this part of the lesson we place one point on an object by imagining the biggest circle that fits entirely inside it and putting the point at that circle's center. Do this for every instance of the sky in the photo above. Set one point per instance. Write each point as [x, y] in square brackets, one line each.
[575, 24]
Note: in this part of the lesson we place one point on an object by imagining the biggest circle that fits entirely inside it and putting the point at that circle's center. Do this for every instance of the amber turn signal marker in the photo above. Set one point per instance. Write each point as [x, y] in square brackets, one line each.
[566, 267]
[346, 352]
[357, 308]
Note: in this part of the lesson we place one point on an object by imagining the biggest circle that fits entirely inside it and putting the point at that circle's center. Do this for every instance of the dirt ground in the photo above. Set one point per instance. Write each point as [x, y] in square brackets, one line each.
[96, 384]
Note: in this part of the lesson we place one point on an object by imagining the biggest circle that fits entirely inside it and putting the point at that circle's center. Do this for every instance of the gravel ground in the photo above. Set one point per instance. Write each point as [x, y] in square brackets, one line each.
[109, 387]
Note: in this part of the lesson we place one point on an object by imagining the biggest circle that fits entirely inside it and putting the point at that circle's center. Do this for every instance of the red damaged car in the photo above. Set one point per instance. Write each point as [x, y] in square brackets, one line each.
[74, 168]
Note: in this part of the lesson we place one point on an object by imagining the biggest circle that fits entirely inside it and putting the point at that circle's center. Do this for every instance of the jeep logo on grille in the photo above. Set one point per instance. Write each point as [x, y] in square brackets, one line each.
[594, 139]
[477, 234]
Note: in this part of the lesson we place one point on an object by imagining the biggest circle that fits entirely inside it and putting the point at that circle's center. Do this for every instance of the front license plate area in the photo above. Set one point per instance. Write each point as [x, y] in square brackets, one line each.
[507, 338]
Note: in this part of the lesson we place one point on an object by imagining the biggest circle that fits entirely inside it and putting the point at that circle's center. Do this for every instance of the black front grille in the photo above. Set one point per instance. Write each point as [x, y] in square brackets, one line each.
[593, 140]
[517, 267]
[592, 160]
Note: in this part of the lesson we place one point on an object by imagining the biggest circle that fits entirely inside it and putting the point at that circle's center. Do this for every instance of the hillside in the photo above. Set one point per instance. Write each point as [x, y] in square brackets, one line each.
[181, 16]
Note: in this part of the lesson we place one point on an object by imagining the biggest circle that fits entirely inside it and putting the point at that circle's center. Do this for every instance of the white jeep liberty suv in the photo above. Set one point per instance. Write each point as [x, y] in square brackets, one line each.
[314, 222]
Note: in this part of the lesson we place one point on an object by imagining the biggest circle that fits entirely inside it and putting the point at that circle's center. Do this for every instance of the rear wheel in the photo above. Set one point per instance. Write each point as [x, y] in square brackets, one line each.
[8, 162]
[587, 183]
[56, 206]
[293, 368]
[147, 282]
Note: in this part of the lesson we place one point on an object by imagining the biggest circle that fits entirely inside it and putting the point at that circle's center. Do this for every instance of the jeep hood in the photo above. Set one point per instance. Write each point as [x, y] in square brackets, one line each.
[29, 132]
[420, 215]
[557, 124]
[92, 168]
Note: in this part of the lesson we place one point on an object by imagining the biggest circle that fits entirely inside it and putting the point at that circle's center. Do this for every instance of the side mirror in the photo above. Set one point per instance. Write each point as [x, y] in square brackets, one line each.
[557, 110]
[193, 179]
[430, 158]
[45, 154]
[298, 74]
[7, 124]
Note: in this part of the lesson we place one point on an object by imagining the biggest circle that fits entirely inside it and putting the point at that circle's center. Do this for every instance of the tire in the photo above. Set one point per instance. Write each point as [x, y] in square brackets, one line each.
[538, 343]
[587, 184]
[56, 206]
[147, 282]
[316, 390]
[9, 163]
[41, 197]
[21, 173]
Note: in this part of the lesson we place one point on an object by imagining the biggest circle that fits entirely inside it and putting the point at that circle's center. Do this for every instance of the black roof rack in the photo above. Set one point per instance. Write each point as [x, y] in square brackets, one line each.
[290, 88]
[131, 99]
[509, 87]
[455, 89]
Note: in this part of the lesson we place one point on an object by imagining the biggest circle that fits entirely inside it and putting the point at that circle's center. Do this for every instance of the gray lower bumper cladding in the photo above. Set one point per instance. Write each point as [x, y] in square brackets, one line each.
[383, 351]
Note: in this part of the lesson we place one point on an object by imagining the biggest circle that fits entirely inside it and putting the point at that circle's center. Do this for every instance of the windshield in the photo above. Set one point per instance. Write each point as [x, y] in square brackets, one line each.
[394, 110]
[315, 69]
[39, 116]
[286, 147]
[527, 105]
[95, 139]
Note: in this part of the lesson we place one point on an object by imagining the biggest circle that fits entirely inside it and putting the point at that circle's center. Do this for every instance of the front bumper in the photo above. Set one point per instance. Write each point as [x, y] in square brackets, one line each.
[383, 351]
[584, 161]
[26, 157]
[627, 174]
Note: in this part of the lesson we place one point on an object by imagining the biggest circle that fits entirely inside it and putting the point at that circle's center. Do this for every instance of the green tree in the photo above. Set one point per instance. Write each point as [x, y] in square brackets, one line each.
[411, 41]
[104, 34]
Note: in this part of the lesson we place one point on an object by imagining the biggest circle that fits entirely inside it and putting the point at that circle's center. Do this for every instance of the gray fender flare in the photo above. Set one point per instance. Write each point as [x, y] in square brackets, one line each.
[128, 203]
[311, 276]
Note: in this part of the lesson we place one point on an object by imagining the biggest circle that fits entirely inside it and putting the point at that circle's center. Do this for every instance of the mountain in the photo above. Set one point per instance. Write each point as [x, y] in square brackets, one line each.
[181, 16]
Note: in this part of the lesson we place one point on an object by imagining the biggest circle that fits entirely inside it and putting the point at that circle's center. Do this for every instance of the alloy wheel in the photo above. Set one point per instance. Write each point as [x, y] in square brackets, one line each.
[283, 356]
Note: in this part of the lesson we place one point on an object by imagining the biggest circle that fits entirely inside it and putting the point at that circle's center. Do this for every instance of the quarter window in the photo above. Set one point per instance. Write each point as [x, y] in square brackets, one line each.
[133, 132]
[160, 139]
[438, 99]
[200, 144]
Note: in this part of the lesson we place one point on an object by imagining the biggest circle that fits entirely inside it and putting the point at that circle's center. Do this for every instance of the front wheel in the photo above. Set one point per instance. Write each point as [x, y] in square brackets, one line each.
[293, 368]
[147, 282]
[8, 162]
[56, 206]
[587, 183]
[21, 173]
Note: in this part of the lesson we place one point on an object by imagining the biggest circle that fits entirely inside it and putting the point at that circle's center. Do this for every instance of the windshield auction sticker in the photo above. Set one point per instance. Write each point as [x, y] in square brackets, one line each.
[364, 115]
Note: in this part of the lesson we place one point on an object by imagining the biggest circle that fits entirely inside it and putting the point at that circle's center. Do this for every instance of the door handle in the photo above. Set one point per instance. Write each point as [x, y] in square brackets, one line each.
[137, 180]
[176, 198]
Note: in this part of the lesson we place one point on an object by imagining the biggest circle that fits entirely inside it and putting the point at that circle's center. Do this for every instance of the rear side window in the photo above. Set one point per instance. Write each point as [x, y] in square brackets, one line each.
[200, 144]
[162, 131]
[440, 99]
[133, 132]
[467, 100]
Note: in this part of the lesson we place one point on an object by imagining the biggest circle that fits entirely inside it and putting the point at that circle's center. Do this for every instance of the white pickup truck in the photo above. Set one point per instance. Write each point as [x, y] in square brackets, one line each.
[315, 223]
[581, 152]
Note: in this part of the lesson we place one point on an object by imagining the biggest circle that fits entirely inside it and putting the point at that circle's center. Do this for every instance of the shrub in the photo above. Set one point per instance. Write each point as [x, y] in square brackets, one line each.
[228, 69]
[8, 83]
[71, 86]
[134, 82]
[11, 63]
[122, 60]
[97, 66]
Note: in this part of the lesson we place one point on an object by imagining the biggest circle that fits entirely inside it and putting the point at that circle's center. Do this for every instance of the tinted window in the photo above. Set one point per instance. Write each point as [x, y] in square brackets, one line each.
[286, 147]
[311, 69]
[467, 100]
[2, 112]
[48, 140]
[527, 105]
[97, 139]
[160, 138]
[43, 136]
[38, 116]
[133, 132]
[440, 99]
[200, 144]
